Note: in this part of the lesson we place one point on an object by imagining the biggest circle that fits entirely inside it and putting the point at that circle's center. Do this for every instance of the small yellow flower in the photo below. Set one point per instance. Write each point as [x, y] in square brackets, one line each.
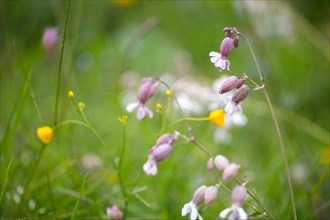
[124, 3]
[168, 93]
[217, 117]
[70, 94]
[159, 107]
[123, 119]
[45, 134]
[325, 156]
[81, 105]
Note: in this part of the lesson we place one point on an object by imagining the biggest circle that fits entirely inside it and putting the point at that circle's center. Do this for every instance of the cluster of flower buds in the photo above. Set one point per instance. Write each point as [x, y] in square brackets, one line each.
[236, 211]
[202, 194]
[159, 152]
[229, 170]
[147, 89]
[240, 93]
[227, 45]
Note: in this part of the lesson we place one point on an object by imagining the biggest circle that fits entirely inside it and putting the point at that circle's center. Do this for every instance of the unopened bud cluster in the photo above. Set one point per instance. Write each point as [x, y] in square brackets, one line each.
[229, 170]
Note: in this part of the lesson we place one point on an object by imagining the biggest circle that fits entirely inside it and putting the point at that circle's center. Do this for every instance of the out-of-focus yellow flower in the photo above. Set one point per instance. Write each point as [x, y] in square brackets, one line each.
[159, 107]
[124, 3]
[123, 119]
[325, 156]
[70, 94]
[45, 134]
[217, 117]
[81, 105]
[168, 93]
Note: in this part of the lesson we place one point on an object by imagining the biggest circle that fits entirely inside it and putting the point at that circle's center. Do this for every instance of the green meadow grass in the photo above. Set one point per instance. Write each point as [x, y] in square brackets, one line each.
[107, 41]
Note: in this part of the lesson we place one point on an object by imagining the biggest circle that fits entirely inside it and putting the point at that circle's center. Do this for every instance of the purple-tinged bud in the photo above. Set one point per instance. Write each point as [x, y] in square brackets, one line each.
[236, 41]
[161, 152]
[228, 84]
[210, 165]
[165, 139]
[238, 195]
[147, 90]
[226, 47]
[240, 94]
[240, 82]
[221, 162]
[210, 194]
[49, 40]
[230, 171]
[228, 31]
[199, 194]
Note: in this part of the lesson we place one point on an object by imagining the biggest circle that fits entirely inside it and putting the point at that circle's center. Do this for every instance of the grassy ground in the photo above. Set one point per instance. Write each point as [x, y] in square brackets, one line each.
[110, 46]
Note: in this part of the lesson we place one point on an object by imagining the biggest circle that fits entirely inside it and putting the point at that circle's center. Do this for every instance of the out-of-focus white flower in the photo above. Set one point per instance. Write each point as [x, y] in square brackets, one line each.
[91, 162]
[236, 211]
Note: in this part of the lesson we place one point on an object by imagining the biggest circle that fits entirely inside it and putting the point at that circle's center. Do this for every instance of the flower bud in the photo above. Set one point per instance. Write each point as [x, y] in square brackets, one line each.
[236, 41]
[240, 94]
[229, 84]
[230, 171]
[49, 39]
[238, 195]
[114, 212]
[240, 82]
[146, 90]
[161, 152]
[228, 31]
[221, 162]
[210, 194]
[165, 139]
[199, 194]
[226, 46]
[210, 165]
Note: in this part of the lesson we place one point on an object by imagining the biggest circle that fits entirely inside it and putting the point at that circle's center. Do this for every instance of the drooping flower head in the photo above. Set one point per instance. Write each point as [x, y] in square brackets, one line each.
[159, 152]
[147, 89]
[191, 207]
[114, 213]
[236, 212]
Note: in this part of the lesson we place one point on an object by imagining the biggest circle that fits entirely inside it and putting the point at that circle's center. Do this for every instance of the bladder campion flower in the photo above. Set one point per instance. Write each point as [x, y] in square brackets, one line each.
[159, 152]
[45, 134]
[221, 162]
[191, 207]
[237, 212]
[211, 194]
[230, 171]
[114, 212]
[217, 117]
[70, 94]
[49, 40]
[220, 59]
[146, 91]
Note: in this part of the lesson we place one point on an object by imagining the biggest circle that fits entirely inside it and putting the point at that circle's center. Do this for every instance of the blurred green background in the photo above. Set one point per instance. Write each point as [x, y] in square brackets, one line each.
[109, 42]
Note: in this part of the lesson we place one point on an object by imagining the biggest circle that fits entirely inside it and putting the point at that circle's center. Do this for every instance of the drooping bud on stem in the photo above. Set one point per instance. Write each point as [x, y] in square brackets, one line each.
[240, 94]
[229, 84]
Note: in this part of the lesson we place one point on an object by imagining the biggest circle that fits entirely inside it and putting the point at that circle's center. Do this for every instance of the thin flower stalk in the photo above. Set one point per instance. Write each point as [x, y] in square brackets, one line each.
[278, 130]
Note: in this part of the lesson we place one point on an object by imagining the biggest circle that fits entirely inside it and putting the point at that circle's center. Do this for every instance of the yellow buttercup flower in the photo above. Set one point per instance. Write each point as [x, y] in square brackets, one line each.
[159, 107]
[81, 105]
[70, 94]
[168, 93]
[45, 134]
[217, 117]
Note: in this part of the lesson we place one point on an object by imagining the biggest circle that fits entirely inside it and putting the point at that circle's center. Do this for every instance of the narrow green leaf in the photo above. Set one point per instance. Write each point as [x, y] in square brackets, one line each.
[79, 198]
[5, 181]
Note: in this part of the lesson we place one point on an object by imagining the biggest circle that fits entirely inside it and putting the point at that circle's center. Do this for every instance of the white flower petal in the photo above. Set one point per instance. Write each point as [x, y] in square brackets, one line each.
[242, 214]
[194, 213]
[223, 64]
[131, 107]
[225, 213]
[214, 54]
[186, 209]
[150, 167]
[214, 59]
[228, 65]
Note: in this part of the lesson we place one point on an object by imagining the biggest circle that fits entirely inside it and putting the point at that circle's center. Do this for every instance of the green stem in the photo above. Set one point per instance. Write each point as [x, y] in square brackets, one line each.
[278, 130]
[60, 65]
[121, 181]
[189, 119]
